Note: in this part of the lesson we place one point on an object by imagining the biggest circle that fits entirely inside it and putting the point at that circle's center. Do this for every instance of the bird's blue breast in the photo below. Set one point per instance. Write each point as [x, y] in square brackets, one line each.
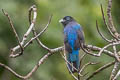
[71, 32]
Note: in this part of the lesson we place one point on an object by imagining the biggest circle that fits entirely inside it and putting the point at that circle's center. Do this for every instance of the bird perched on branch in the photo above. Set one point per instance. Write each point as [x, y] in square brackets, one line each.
[73, 38]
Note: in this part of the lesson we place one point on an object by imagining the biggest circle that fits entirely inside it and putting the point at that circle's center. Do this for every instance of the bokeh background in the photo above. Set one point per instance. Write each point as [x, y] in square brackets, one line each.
[86, 12]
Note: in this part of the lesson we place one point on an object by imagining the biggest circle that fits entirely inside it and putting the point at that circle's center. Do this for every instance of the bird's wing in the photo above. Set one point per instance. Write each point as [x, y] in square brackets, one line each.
[67, 46]
[80, 35]
[80, 39]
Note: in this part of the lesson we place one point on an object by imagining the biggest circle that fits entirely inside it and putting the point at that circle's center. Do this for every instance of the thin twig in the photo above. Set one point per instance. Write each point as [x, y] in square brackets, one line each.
[37, 65]
[106, 22]
[101, 51]
[111, 44]
[101, 33]
[110, 20]
[99, 70]
[67, 62]
[39, 42]
[88, 52]
[39, 34]
[95, 48]
[34, 32]
[13, 28]
[81, 59]
[84, 66]
[11, 70]
[41, 61]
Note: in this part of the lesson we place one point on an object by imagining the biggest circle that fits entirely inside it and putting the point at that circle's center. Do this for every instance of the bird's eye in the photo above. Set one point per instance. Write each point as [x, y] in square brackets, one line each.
[67, 18]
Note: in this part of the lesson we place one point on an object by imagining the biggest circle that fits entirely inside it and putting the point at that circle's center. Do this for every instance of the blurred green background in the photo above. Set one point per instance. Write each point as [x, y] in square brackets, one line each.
[86, 12]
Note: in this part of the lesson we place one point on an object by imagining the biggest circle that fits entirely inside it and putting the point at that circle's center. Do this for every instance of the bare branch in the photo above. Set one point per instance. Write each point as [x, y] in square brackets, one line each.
[115, 69]
[84, 66]
[111, 44]
[117, 75]
[81, 59]
[116, 54]
[101, 33]
[95, 48]
[39, 34]
[99, 70]
[110, 20]
[34, 32]
[106, 22]
[64, 57]
[27, 33]
[41, 61]
[88, 52]
[101, 51]
[13, 28]
[12, 71]
[33, 21]
[91, 47]
[37, 65]
[67, 62]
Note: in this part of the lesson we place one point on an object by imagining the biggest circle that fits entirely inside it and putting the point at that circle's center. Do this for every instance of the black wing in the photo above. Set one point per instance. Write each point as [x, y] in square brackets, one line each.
[80, 39]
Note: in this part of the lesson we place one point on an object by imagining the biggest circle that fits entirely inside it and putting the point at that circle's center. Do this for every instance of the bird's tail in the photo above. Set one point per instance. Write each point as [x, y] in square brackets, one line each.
[73, 61]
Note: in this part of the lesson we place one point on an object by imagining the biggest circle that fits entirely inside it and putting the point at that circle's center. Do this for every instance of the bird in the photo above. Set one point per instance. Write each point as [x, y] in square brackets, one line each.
[73, 38]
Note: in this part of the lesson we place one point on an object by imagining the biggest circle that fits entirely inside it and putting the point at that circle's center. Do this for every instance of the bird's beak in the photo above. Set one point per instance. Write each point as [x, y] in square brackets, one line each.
[61, 20]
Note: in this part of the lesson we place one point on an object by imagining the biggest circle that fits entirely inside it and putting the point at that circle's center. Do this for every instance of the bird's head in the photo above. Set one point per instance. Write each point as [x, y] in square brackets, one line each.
[66, 20]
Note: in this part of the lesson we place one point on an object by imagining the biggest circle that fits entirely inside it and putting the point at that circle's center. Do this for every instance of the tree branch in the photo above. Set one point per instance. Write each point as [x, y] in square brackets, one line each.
[26, 34]
[99, 70]
[13, 28]
[115, 69]
[110, 20]
[102, 34]
[103, 16]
